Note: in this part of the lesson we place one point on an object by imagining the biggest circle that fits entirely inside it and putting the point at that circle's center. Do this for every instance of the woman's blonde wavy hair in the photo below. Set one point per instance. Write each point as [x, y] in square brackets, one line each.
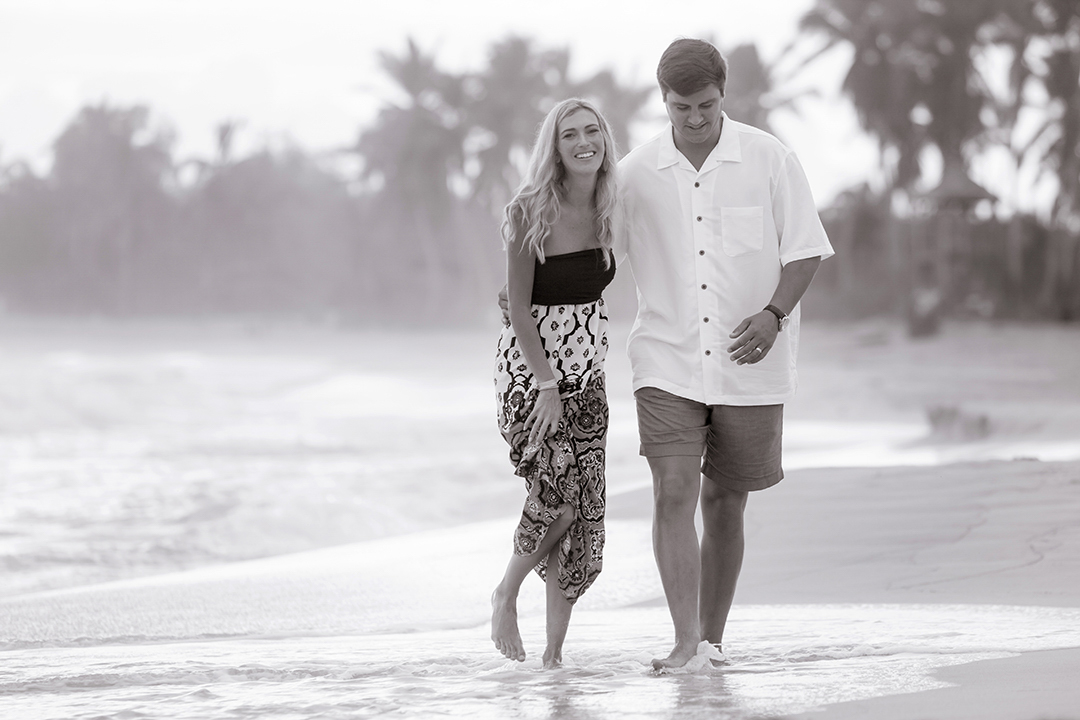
[536, 204]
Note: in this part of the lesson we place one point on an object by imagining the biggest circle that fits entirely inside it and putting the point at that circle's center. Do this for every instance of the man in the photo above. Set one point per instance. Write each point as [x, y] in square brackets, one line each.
[724, 238]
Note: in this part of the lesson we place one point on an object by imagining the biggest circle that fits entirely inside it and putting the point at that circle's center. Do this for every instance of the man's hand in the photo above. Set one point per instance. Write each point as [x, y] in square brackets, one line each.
[753, 338]
[504, 305]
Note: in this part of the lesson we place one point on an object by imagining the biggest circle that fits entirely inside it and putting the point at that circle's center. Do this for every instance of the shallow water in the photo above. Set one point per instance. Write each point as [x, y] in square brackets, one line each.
[789, 659]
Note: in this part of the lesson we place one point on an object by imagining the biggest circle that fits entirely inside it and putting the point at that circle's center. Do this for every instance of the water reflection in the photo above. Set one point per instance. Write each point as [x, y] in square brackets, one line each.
[706, 696]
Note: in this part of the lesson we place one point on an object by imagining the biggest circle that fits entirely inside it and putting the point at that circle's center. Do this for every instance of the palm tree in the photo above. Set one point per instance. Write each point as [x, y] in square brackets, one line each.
[225, 134]
[748, 87]
[1046, 51]
[410, 155]
[414, 148]
[621, 104]
[915, 82]
[508, 102]
[913, 78]
[109, 180]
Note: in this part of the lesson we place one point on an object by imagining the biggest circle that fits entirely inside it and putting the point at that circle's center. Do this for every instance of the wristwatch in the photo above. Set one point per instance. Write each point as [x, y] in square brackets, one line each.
[782, 319]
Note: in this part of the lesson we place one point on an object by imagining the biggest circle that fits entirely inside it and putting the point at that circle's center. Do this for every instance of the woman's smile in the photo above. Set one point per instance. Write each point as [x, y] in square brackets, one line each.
[580, 142]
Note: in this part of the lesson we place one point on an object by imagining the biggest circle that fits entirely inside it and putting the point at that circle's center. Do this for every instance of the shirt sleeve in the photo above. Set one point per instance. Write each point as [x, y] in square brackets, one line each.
[795, 216]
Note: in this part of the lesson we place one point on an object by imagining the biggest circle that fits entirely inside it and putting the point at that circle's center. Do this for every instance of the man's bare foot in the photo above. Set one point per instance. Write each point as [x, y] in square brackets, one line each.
[552, 659]
[504, 627]
[717, 658]
[679, 656]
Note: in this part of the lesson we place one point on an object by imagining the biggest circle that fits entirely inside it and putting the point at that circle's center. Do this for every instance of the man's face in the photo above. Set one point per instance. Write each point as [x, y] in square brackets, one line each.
[696, 118]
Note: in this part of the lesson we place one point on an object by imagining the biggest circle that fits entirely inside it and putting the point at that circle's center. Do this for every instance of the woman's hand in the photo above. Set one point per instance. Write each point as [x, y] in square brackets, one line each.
[544, 418]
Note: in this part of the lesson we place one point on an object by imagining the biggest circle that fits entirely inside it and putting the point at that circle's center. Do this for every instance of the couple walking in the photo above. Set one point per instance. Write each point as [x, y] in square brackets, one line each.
[720, 229]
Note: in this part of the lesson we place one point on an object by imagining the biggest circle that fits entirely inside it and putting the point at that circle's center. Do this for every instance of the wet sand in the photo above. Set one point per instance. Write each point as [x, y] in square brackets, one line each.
[1034, 685]
[998, 533]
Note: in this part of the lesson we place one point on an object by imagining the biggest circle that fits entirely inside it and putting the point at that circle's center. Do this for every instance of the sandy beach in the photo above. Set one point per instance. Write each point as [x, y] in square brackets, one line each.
[934, 572]
[1002, 533]
[977, 533]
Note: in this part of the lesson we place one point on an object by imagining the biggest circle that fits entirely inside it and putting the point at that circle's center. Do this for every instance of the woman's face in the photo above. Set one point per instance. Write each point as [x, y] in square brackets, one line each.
[580, 143]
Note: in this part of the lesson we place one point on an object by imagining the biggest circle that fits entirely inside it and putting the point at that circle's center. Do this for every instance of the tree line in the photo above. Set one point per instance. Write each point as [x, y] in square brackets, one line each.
[120, 225]
[959, 79]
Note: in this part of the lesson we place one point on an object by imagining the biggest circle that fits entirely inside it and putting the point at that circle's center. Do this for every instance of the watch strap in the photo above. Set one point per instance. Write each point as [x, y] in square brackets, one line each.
[780, 315]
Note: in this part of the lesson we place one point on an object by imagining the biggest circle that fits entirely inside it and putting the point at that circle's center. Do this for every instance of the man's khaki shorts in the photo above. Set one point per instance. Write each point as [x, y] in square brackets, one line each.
[739, 445]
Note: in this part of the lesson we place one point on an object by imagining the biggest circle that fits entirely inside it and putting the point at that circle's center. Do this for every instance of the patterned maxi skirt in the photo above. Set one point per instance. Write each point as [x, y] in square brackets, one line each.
[566, 469]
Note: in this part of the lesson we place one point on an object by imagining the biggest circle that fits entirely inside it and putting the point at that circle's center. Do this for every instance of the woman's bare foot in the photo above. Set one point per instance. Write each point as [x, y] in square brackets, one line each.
[552, 659]
[504, 627]
[679, 656]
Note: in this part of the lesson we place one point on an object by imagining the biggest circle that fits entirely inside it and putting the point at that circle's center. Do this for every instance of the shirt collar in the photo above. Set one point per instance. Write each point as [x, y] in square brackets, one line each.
[727, 148]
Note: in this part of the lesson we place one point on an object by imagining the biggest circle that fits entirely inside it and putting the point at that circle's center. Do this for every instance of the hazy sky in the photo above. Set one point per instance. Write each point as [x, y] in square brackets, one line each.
[306, 72]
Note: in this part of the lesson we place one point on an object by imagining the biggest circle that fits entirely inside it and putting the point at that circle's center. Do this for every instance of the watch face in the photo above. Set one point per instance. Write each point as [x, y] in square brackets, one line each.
[784, 322]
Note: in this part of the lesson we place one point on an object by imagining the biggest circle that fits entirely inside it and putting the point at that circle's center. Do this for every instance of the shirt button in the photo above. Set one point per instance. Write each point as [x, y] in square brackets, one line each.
[699, 218]
[708, 352]
[700, 252]
[706, 319]
[697, 184]
[703, 286]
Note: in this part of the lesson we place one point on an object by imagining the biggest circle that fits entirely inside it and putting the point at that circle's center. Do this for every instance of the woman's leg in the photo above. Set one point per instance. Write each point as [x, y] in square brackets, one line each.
[587, 418]
[504, 627]
[558, 612]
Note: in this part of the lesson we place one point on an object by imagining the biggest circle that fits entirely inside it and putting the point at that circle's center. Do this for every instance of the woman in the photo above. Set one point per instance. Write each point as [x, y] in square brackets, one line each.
[550, 372]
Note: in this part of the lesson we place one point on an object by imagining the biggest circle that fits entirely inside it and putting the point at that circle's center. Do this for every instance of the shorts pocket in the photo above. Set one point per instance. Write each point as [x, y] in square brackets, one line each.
[742, 229]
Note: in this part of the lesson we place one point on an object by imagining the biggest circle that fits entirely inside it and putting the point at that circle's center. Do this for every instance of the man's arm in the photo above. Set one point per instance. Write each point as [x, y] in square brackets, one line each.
[795, 279]
[760, 329]
[504, 306]
[799, 228]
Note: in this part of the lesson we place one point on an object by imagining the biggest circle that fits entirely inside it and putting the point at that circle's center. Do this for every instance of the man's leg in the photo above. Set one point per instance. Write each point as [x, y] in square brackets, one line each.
[676, 483]
[742, 455]
[722, 544]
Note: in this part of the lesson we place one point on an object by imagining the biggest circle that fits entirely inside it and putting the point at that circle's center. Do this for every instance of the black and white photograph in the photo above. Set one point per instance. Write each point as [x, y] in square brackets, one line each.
[539, 360]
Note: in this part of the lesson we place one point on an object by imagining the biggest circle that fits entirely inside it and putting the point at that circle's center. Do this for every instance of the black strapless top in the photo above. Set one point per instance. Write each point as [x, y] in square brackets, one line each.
[572, 278]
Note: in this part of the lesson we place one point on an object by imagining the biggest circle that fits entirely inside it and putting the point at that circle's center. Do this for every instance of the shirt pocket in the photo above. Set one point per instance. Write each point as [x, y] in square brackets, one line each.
[741, 230]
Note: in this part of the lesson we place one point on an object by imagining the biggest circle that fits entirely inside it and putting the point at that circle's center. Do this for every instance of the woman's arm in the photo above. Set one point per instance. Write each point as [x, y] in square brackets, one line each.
[520, 268]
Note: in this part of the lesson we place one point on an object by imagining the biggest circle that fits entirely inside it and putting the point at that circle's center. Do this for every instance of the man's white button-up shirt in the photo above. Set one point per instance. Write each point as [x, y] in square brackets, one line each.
[706, 248]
